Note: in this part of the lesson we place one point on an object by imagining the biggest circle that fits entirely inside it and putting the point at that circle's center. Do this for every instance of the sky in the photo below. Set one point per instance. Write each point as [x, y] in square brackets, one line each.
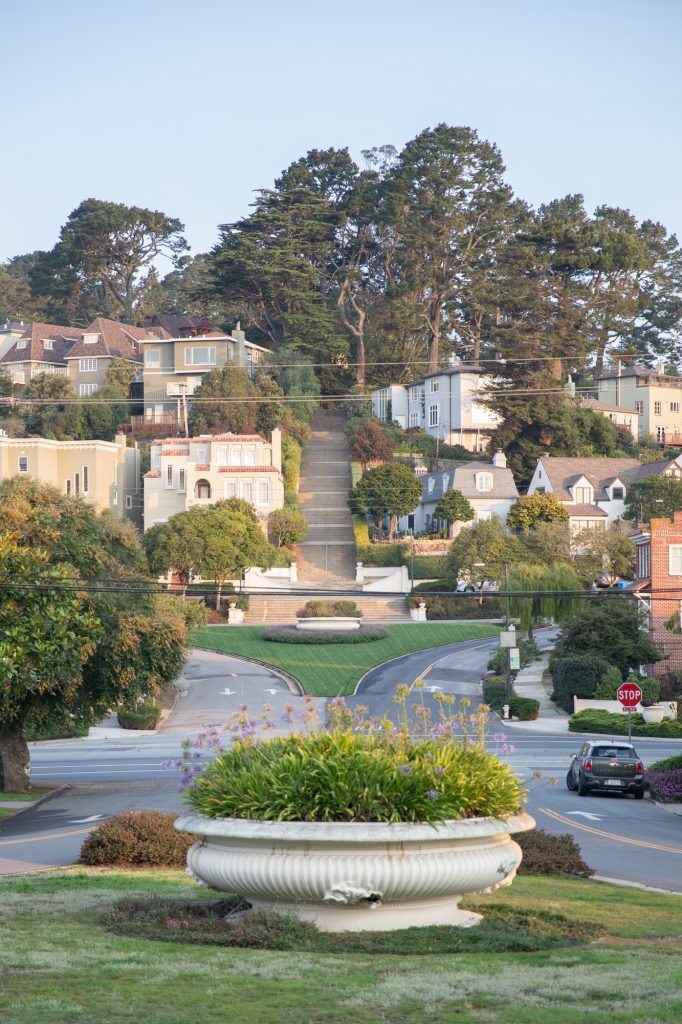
[189, 107]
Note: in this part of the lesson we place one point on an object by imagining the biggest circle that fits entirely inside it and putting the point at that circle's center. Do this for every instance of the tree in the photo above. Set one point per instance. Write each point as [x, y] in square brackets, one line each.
[104, 254]
[287, 526]
[224, 416]
[46, 415]
[46, 636]
[610, 628]
[297, 379]
[454, 507]
[655, 497]
[390, 490]
[480, 553]
[608, 552]
[370, 444]
[550, 591]
[122, 373]
[103, 414]
[536, 508]
[175, 544]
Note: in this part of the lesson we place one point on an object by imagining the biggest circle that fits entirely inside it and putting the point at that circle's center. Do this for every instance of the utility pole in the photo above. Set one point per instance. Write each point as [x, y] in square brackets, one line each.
[507, 624]
[183, 385]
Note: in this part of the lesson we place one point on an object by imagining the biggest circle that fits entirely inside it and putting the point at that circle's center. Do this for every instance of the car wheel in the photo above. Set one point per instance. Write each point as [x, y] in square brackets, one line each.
[639, 793]
[570, 781]
[583, 790]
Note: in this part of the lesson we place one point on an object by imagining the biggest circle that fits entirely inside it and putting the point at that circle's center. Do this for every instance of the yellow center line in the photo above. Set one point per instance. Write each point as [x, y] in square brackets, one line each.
[40, 839]
[607, 835]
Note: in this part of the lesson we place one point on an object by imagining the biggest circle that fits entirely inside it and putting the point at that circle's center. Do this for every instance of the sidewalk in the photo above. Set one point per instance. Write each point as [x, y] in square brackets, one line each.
[528, 683]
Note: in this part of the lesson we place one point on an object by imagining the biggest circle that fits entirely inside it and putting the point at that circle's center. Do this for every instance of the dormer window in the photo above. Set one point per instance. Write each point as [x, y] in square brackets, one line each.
[617, 493]
[22, 343]
[48, 343]
[582, 495]
[90, 339]
[484, 482]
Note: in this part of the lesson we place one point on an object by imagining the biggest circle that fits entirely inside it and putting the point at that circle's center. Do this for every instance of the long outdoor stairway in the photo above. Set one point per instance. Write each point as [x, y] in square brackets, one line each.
[275, 608]
[326, 558]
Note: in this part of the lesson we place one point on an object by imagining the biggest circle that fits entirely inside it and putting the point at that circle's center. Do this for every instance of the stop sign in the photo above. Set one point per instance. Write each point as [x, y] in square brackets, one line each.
[629, 694]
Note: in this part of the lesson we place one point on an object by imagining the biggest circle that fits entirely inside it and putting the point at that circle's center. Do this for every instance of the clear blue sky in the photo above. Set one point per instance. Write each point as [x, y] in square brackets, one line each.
[188, 106]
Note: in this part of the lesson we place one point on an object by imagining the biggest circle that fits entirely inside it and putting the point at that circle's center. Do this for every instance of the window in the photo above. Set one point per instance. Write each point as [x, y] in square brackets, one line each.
[48, 343]
[484, 481]
[222, 456]
[617, 493]
[182, 480]
[483, 517]
[230, 488]
[431, 484]
[22, 343]
[657, 408]
[129, 501]
[91, 339]
[169, 476]
[582, 495]
[201, 455]
[250, 454]
[539, 490]
[85, 480]
[87, 365]
[643, 561]
[235, 456]
[68, 487]
[204, 356]
[114, 497]
[156, 458]
[639, 407]
[87, 389]
[660, 435]
[247, 490]
[202, 489]
[414, 419]
[264, 492]
[674, 406]
[23, 463]
[152, 357]
[76, 483]
[434, 385]
[433, 415]
[675, 559]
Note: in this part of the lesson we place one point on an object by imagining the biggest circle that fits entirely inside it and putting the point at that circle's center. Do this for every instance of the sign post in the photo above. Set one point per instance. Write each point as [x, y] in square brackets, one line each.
[629, 695]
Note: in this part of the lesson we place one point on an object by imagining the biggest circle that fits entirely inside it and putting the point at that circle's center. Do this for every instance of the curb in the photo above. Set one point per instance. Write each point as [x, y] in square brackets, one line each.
[455, 643]
[29, 805]
[293, 685]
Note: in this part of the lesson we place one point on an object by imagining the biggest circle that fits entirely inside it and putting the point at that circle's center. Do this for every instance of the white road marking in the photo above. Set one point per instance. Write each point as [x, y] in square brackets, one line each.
[586, 814]
[82, 821]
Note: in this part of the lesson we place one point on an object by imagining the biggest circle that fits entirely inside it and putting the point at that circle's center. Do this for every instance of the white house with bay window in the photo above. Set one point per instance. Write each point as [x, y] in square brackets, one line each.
[190, 471]
[448, 404]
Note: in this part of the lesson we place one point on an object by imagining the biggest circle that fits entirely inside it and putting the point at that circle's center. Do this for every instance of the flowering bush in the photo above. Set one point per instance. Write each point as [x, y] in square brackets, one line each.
[666, 785]
[357, 769]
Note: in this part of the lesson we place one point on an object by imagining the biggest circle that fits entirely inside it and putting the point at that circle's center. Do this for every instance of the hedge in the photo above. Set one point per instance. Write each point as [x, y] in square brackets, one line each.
[329, 609]
[136, 839]
[139, 716]
[577, 676]
[548, 854]
[605, 722]
[291, 635]
[524, 708]
[495, 693]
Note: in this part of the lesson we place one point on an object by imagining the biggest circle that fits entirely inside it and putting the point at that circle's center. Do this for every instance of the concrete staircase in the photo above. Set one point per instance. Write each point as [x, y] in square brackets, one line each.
[276, 609]
[326, 558]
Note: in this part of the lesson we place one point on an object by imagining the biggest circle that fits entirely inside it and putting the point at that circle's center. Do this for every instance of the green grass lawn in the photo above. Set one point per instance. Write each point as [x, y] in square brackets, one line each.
[330, 670]
[59, 964]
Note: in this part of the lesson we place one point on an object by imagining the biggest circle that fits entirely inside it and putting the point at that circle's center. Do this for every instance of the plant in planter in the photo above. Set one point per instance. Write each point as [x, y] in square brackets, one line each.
[361, 825]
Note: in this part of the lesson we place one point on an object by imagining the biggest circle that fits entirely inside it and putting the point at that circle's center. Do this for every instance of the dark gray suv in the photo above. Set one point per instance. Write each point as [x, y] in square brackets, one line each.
[609, 767]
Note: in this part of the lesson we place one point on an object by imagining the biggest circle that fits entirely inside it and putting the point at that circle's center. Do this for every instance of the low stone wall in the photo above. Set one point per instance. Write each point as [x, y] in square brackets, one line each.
[615, 707]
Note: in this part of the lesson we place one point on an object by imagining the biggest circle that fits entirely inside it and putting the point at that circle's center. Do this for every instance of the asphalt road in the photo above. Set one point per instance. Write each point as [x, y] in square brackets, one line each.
[633, 841]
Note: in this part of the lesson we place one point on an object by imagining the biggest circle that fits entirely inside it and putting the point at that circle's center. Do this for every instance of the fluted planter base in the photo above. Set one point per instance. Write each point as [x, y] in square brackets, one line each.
[356, 876]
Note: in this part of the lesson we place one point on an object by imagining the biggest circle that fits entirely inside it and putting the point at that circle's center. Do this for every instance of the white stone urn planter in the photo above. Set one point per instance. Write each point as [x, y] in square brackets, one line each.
[235, 614]
[418, 614]
[327, 622]
[353, 876]
[653, 714]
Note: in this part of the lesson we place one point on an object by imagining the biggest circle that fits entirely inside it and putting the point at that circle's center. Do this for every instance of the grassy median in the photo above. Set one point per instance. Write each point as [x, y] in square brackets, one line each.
[59, 962]
[330, 670]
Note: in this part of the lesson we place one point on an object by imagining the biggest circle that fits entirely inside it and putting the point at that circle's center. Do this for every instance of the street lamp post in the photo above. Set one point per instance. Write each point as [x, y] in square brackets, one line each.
[507, 624]
[412, 558]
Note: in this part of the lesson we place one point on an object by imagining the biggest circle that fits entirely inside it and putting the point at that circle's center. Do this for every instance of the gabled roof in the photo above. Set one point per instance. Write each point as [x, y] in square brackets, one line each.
[638, 371]
[563, 473]
[115, 339]
[597, 406]
[34, 336]
[463, 478]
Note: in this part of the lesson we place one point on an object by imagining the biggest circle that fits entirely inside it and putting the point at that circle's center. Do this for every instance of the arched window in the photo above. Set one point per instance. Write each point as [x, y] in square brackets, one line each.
[202, 489]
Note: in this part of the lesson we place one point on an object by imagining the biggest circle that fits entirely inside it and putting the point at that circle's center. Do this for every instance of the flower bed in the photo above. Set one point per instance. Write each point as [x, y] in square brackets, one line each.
[293, 635]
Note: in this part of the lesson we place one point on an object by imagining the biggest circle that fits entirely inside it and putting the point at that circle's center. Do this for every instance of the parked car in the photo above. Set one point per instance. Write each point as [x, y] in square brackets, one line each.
[467, 587]
[606, 767]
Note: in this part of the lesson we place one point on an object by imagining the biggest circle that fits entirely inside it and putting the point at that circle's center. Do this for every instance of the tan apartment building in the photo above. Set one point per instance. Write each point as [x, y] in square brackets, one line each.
[655, 396]
[105, 474]
[186, 472]
[174, 367]
[40, 348]
[94, 350]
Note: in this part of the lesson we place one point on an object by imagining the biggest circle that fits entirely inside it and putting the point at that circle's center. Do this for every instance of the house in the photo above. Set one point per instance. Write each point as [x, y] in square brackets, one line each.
[174, 366]
[10, 331]
[95, 348]
[105, 474]
[654, 395]
[447, 404]
[203, 470]
[40, 348]
[627, 419]
[658, 585]
[593, 491]
[489, 486]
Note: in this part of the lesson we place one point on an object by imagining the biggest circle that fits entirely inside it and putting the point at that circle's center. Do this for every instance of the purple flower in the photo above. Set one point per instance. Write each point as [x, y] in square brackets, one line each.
[438, 770]
[405, 769]
[432, 794]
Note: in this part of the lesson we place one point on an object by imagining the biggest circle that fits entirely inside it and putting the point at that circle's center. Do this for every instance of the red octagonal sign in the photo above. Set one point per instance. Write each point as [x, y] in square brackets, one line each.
[629, 694]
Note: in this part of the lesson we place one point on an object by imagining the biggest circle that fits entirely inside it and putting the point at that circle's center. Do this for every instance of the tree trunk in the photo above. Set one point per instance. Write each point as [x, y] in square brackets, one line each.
[15, 763]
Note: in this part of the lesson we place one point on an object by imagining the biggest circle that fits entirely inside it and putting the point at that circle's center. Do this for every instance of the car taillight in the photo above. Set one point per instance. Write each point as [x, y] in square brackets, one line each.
[640, 767]
[588, 765]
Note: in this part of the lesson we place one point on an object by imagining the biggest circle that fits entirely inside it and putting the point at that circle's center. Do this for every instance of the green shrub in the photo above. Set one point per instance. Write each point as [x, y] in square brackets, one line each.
[55, 724]
[547, 854]
[291, 635]
[361, 532]
[524, 708]
[617, 724]
[495, 692]
[577, 676]
[329, 609]
[443, 584]
[143, 715]
[438, 608]
[349, 775]
[381, 556]
[607, 687]
[666, 764]
[426, 567]
[136, 839]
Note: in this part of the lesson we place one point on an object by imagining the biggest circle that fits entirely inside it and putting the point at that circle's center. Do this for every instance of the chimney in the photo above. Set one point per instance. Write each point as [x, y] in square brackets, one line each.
[500, 459]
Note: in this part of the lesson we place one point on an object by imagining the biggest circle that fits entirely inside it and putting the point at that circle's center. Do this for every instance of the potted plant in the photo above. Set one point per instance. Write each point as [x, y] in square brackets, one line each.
[361, 825]
[652, 713]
